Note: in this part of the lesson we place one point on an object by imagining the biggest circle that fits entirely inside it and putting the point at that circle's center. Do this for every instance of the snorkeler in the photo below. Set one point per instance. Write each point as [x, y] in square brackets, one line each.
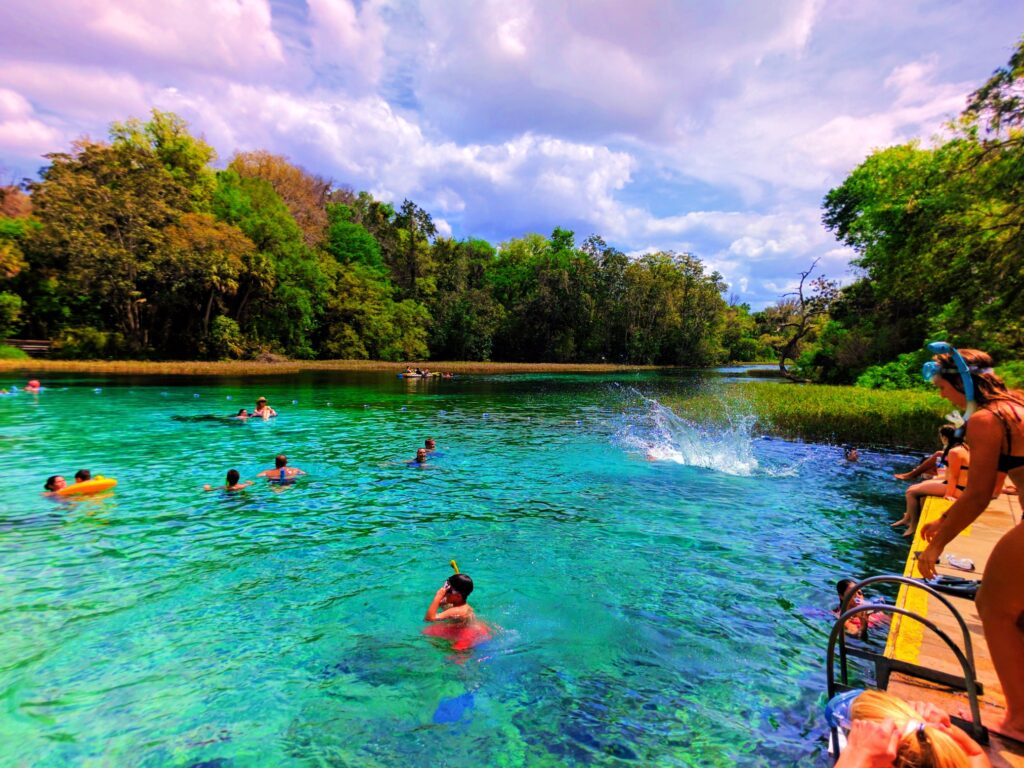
[281, 470]
[231, 483]
[460, 626]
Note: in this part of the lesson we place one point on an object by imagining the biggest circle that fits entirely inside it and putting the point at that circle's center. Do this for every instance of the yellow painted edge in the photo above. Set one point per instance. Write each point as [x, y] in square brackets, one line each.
[904, 642]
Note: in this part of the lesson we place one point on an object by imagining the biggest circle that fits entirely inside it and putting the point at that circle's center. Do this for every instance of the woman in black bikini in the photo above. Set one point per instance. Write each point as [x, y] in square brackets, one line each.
[956, 458]
[996, 436]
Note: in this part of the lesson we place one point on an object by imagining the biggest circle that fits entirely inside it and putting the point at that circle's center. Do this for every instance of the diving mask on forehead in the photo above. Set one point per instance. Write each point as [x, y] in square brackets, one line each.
[931, 369]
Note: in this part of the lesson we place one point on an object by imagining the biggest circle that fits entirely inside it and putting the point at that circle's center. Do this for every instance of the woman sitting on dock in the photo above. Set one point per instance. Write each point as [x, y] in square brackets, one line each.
[956, 457]
[995, 433]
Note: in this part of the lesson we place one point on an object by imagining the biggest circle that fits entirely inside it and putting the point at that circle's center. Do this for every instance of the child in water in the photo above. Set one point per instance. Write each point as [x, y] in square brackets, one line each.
[460, 625]
[232, 483]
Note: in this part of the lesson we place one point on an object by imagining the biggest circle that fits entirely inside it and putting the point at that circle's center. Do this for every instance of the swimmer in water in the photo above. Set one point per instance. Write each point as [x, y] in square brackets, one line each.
[33, 386]
[430, 445]
[83, 475]
[54, 483]
[456, 621]
[859, 624]
[263, 410]
[232, 483]
[420, 460]
[242, 414]
[281, 470]
[850, 453]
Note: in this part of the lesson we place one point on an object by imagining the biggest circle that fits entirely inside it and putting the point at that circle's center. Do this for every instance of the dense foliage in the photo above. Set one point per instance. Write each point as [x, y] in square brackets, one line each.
[138, 247]
[939, 233]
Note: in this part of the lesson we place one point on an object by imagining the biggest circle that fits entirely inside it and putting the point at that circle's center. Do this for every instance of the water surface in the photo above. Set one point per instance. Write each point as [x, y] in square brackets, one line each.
[665, 611]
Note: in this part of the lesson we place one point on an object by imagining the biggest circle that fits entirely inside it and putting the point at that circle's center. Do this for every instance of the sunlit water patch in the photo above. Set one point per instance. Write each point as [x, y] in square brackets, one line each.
[647, 612]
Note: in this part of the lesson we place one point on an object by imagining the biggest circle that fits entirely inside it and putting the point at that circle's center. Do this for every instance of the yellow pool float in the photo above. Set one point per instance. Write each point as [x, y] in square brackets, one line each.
[97, 484]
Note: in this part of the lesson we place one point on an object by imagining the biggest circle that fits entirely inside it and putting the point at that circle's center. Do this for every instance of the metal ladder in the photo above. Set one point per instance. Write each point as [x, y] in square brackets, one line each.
[885, 666]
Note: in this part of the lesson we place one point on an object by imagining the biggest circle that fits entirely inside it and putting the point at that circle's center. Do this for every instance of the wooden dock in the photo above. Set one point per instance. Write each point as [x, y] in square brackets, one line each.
[911, 642]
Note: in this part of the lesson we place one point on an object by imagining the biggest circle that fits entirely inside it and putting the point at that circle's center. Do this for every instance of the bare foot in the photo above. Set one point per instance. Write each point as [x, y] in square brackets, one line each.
[898, 523]
[902, 476]
[909, 533]
[1014, 730]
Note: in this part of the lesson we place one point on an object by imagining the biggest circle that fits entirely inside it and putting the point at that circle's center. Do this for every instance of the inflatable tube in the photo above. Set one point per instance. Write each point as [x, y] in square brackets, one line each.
[97, 484]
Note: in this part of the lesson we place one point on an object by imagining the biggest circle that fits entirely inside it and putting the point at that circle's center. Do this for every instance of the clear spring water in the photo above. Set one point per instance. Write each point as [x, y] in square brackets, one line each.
[667, 612]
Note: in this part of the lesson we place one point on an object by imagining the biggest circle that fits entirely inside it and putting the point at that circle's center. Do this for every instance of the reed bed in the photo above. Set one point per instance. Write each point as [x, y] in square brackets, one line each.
[38, 367]
[830, 414]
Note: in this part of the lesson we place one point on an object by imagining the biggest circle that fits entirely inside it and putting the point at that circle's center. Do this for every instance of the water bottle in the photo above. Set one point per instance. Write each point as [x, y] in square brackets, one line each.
[837, 710]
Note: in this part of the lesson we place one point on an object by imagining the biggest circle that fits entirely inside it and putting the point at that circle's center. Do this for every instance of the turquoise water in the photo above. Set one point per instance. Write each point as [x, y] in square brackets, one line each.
[662, 612]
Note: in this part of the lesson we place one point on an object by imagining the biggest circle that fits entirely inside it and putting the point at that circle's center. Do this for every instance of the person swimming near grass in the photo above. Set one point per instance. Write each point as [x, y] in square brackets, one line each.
[231, 483]
[452, 617]
[281, 473]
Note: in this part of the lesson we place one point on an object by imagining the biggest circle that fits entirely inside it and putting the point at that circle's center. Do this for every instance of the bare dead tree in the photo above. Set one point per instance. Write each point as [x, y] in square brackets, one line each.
[810, 301]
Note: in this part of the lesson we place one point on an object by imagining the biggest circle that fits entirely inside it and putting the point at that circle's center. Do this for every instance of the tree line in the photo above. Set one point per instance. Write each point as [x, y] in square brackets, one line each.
[138, 247]
[939, 236]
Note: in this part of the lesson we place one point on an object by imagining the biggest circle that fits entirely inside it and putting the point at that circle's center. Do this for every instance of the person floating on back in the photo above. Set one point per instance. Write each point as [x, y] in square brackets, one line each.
[231, 483]
[458, 622]
[281, 473]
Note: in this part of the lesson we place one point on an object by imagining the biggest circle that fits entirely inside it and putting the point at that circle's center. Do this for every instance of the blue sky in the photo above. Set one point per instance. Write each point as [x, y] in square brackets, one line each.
[709, 127]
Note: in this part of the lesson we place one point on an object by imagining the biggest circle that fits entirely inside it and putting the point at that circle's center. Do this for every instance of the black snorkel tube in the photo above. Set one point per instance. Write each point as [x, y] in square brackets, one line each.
[931, 369]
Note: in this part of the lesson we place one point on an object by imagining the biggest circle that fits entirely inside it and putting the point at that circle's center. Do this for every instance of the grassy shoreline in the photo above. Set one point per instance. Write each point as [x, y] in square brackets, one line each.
[825, 414]
[37, 367]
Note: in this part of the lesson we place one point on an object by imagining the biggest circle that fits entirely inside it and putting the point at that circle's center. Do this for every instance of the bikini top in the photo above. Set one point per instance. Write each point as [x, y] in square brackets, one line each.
[1007, 461]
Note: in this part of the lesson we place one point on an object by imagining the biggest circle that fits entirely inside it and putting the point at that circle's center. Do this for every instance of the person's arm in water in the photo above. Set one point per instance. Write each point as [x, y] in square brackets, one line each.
[985, 435]
[956, 463]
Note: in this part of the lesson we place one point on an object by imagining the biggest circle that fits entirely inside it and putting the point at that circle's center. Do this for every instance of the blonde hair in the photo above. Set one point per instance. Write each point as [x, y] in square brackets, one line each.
[924, 747]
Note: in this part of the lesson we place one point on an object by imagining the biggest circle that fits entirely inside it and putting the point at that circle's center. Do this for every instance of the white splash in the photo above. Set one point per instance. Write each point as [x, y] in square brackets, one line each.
[657, 433]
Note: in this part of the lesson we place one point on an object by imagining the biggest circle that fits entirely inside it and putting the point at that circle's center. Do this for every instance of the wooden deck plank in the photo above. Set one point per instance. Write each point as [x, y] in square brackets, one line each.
[910, 641]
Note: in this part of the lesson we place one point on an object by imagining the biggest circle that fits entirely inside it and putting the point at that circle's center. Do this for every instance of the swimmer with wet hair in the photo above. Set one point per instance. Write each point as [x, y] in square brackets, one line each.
[242, 414]
[281, 470]
[83, 475]
[231, 483]
[452, 596]
[430, 445]
[54, 483]
[420, 460]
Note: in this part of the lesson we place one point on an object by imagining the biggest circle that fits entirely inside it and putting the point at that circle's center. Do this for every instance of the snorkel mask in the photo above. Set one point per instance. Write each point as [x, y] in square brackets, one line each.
[931, 369]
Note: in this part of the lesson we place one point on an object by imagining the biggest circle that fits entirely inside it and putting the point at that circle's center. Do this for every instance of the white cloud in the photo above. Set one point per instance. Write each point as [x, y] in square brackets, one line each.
[350, 39]
[22, 134]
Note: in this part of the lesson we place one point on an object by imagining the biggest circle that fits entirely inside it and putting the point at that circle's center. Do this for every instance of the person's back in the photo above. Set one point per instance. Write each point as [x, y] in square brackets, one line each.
[281, 469]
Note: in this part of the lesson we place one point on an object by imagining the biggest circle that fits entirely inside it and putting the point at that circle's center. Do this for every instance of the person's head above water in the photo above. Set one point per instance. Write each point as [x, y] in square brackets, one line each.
[460, 586]
[421, 455]
[242, 412]
[430, 444]
[850, 452]
[844, 585]
[280, 461]
[82, 475]
[55, 483]
[260, 402]
[233, 477]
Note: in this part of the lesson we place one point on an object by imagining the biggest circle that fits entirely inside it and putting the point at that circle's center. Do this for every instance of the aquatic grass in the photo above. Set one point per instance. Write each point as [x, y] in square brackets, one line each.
[8, 352]
[260, 368]
[819, 413]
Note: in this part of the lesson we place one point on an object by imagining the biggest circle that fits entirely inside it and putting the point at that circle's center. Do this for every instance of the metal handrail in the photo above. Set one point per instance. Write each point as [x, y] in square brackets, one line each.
[838, 635]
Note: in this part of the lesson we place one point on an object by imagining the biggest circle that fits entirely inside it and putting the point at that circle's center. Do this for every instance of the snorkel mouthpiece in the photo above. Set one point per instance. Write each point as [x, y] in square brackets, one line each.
[931, 369]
